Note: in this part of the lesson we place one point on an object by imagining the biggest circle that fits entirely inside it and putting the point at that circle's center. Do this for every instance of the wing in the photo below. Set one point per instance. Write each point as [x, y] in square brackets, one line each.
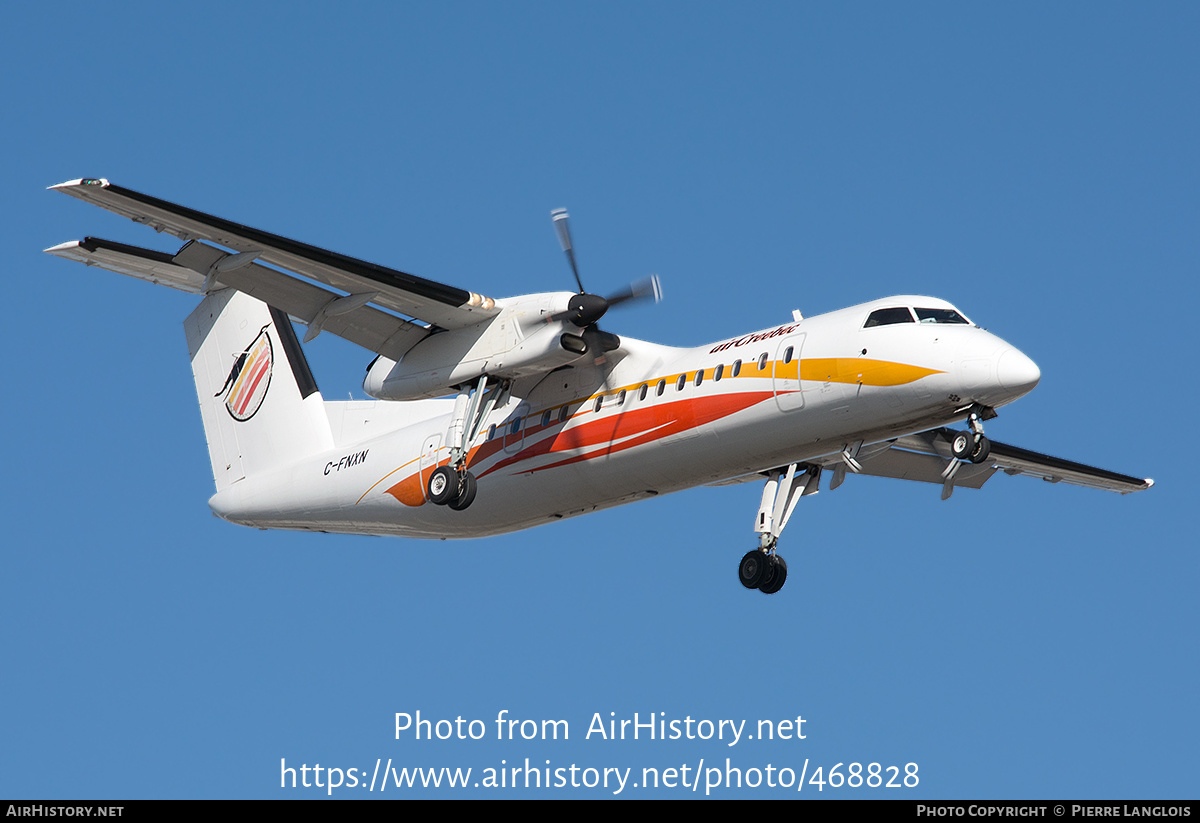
[926, 457]
[187, 270]
[199, 267]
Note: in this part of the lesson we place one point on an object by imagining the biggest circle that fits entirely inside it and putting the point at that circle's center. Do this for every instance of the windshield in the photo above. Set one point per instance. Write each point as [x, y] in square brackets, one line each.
[888, 317]
[940, 316]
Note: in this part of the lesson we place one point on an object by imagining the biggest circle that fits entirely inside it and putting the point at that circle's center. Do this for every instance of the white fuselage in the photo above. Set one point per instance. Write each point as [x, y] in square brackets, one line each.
[587, 437]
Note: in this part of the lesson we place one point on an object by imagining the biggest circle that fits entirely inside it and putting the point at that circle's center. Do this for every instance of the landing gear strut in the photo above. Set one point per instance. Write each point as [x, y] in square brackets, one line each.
[454, 485]
[762, 568]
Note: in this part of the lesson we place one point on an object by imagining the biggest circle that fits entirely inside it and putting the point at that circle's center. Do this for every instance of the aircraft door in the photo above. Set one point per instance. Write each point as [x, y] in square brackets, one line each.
[788, 394]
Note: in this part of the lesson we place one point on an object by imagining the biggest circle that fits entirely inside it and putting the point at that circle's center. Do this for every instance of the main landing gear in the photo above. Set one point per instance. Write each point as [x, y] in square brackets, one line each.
[452, 487]
[762, 568]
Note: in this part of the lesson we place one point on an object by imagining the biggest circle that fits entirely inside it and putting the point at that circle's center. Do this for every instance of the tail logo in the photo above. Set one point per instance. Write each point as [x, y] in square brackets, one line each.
[248, 380]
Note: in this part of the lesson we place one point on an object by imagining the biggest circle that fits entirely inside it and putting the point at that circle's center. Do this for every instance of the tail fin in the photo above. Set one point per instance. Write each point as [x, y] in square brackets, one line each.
[260, 404]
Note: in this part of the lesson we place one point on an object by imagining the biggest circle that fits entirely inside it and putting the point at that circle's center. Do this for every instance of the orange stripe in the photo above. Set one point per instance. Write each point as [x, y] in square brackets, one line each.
[246, 369]
[244, 401]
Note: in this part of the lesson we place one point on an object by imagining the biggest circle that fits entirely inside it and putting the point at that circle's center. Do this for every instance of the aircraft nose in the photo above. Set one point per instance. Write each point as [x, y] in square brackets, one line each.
[1016, 372]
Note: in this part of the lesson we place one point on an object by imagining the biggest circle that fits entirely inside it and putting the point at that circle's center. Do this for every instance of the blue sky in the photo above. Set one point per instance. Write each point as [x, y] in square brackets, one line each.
[1036, 166]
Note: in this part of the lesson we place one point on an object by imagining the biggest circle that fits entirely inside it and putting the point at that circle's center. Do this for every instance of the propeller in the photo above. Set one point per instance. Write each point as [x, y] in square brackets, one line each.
[585, 309]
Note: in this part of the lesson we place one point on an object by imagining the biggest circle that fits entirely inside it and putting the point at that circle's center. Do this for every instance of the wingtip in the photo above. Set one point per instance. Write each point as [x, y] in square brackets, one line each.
[82, 181]
[61, 247]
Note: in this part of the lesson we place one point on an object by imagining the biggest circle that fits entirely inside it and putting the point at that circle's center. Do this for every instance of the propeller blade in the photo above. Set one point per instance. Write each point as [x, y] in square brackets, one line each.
[595, 344]
[562, 226]
[646, 287]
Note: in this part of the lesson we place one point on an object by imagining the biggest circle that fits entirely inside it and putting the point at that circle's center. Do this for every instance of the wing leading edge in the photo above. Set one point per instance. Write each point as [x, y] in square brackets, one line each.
[440, 305]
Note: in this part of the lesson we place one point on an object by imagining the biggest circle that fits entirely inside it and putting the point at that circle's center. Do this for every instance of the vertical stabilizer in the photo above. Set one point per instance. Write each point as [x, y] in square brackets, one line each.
[258, 399]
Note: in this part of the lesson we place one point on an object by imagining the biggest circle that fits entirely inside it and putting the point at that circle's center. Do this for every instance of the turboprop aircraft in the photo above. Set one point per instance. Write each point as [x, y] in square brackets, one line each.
[497, 415]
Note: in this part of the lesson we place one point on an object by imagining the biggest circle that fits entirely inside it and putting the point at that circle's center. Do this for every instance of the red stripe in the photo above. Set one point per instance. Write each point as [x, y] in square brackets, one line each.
[258, 376]
[652, 423]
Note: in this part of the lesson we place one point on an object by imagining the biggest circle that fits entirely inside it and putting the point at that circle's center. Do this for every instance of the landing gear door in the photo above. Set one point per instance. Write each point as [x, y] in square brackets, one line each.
[788, 394]
[429, 459]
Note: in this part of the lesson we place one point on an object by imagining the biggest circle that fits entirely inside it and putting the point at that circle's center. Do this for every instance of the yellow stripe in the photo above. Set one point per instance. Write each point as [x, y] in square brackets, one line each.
[821, 370]
[855, 370]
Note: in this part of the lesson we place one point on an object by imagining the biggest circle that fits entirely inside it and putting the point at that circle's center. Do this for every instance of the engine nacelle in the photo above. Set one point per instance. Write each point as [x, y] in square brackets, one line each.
[515, 343]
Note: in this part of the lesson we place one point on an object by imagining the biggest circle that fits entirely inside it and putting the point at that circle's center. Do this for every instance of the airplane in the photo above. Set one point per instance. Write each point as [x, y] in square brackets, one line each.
[494, 415]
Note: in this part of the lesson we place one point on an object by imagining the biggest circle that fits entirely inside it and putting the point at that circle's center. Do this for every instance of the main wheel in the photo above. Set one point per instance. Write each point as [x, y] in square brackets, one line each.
[443, 485]
[466, 495]
[752, 569]
[778, 578]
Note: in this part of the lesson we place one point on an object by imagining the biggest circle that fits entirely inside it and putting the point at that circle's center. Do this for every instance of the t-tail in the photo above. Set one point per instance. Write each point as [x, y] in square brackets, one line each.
[260, 404]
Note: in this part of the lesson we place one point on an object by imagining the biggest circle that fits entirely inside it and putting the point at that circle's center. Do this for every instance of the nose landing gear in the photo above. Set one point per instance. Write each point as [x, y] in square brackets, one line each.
[972, 445]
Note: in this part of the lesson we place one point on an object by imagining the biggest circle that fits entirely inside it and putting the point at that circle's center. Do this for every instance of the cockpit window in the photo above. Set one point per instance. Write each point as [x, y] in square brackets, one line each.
[940, 316]
[888, 317]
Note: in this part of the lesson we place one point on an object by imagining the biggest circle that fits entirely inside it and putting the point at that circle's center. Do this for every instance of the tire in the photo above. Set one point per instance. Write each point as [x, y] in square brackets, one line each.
[466, 495]
[443, 485]
[961, 445]
[778, 578]
[981, 450]
[752, 569]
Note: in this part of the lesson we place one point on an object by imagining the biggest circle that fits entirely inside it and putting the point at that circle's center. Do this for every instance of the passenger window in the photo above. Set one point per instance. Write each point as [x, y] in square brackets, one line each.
[737, 367]
[662, 387]
[762, 361]
[643, 391]
[699, 377]
[787, 355]
[546, 417]
[888, 317]
[599, 402]
[718, 371]
[680, 382]
[516, 426]
[562, 415]
[491, 431]
[621, 398]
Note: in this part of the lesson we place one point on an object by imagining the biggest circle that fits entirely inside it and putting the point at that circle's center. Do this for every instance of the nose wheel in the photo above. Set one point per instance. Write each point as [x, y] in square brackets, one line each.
[971, 446]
